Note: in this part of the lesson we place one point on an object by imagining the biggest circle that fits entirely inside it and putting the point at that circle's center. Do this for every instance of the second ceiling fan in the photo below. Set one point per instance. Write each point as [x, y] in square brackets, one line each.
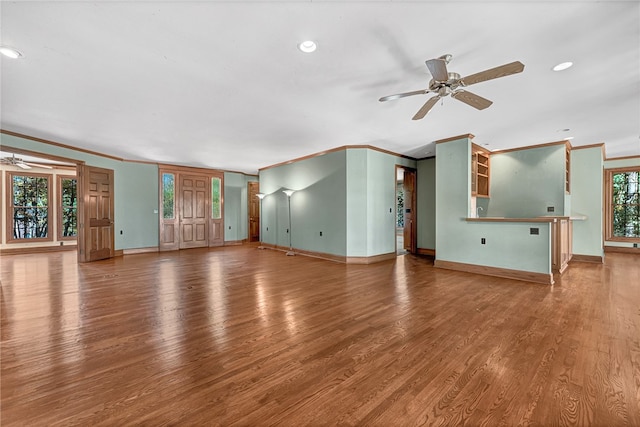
[445, 83]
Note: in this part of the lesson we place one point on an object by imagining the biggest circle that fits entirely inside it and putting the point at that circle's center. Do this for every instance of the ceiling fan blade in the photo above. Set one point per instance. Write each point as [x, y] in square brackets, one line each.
[438, 69]
[493, 73]
[426, 108]
[38, 165]
[472, 99]
[402, 95]
[22, 165]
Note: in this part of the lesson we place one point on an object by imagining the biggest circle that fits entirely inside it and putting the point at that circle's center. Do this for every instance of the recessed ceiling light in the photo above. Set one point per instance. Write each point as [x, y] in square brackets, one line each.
[562, 66]
[308, 46]
[10, 52]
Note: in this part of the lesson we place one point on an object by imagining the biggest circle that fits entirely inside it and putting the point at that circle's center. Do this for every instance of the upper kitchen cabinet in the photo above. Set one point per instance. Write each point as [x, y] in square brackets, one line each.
[480, 171]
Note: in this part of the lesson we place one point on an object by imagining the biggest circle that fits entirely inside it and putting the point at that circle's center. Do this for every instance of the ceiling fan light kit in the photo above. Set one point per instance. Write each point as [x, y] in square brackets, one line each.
[446, 83]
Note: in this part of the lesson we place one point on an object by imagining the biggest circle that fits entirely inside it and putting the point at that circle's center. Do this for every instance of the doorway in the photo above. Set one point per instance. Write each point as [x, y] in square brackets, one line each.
[405, 224]
[94, 208]
[96, 238]
[191, 204]
[253, 188]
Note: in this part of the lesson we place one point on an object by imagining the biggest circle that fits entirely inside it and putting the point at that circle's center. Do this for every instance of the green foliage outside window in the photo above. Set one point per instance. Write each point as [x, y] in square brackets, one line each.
[626, 204]
[216, 212]
[30, 207]
[168, 195]
[69, 193]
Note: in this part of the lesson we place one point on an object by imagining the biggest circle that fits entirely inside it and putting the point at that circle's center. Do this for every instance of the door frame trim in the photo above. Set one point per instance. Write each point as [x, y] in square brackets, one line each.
[414, 205]
[80, 165]
[179, 172]
[82, 173]
[249, 183]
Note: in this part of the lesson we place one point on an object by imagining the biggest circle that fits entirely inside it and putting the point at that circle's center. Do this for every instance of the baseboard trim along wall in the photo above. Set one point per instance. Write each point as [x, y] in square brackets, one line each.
[37, 249]
[331, 257]
[587, 258]
[428, 252]
[526, 276]
[140, 250]
[371, 259]
[623, 250]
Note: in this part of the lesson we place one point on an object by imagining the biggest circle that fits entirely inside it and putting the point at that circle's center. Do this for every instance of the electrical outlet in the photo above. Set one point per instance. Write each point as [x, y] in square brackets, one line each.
[534, 230]
[287, 230]
[321, 234]
[229, 227]
[551, 209]
[483, 241]
[120, 231]
[267, 228]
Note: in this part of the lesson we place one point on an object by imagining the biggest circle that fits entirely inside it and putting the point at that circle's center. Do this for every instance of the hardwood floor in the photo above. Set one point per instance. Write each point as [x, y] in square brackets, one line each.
[239, 336]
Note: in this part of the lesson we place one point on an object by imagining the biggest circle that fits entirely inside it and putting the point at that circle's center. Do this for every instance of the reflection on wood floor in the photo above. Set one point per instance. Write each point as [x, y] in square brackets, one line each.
[241, 336]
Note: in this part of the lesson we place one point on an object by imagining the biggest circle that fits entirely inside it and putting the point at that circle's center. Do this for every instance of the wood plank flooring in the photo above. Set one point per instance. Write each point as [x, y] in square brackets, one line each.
[239, 336]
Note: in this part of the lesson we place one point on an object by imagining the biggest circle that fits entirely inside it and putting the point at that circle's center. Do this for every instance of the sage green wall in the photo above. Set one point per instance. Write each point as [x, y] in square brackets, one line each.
[371, 201]
[525, 182]
[135, 188]
[453, 189]
[349, 195]
[381, 201]
[357, 188]
[319, 204]
[427, 203]
[622, 163]
[236, 216]
[586, 200]
[508, 245]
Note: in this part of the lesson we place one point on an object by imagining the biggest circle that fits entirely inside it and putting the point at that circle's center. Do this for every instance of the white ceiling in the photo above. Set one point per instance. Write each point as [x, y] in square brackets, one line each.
[221, 84]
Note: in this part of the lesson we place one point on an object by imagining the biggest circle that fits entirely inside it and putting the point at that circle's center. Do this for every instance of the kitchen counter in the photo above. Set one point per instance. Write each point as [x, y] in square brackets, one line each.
[502, 219]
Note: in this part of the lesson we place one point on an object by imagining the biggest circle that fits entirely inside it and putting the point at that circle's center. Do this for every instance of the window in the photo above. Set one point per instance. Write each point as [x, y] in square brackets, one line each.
[168, 195]
[216, 200]
[68, 207]
[28, 207]
[623, 204]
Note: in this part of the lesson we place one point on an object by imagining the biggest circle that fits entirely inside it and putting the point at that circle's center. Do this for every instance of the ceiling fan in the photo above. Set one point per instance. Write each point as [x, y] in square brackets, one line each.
[16, 161]
[446, 83]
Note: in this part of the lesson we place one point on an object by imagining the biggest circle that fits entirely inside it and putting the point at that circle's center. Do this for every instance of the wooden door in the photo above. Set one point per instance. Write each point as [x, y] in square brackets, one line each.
[410, 226]
[254, 211]
[98, 232]
[194, 219]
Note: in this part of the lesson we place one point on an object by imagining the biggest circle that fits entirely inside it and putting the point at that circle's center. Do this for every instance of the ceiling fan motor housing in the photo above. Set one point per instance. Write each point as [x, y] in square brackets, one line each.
[444, 88]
